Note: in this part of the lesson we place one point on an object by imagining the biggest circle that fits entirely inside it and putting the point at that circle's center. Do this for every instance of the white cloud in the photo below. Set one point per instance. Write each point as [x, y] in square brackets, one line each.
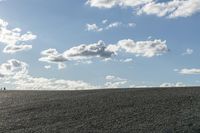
[81, 53]
[114, 82]
[127, 60]
[112, 3]
[144, 48]
[188, 51]
[187, 8]
[83, 62]
[159, 9]
[192, 71]
[110, 77]
[61, 66]
[86, 52]
[31, 83]
[102, 3]
[172, 9]
[15, 74]
[47, 67]
[13, 67]
[178, 84]
[113, 25]
[107, 26]
[169, 9]
[93, 27]
[131, 25]
[104, 21]
[14, 39]
[10, 49]
[52, 56]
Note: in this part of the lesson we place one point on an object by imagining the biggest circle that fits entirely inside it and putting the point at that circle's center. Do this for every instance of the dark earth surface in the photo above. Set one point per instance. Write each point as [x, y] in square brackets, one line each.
[164, 110]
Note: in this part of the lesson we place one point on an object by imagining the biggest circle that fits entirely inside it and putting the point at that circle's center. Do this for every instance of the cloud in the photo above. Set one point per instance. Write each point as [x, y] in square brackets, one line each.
[47, 67]
[107, 26]
[112, 3]
[127, 60]
[85, 52]
[15, 73]
[144, 48]
[104, 21]
[102, 3]
[13, 67]
[178, 84]
[79, 53]
[113, 25]
[93, 27]
[52, 56]
[131, 25]
[159, 9]
[114, 82]
[61, 66]
[169, 9]
[192, 71]
[188, 51]
[32, 83]
[172, 9]
[186, 8]
[14, 39]
[10, 49]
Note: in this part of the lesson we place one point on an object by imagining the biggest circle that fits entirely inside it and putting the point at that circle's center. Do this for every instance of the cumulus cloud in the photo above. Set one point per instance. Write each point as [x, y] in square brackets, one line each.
[79, 53]
[186, 8]
[86, 52]
[32, 83]
[192, 71]
[169, 9]
[10, 49]
[52, 56]
[144, 48]
[159, 9]
[14, 39]
[13, 67]
[15, 73]
[114, 82]
[112, 3]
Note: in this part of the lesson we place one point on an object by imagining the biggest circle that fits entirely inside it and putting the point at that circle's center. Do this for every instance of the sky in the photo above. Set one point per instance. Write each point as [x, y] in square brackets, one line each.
[93, 44]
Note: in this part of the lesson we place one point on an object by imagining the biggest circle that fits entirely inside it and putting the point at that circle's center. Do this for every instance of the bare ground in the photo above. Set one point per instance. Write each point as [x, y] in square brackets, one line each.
[164, 110]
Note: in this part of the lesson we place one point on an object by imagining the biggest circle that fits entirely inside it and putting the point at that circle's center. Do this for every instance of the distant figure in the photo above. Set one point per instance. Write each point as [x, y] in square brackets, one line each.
[4, 88]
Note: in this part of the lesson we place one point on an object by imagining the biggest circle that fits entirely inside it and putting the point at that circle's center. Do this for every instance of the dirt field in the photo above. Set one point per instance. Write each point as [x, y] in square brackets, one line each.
[164, 110]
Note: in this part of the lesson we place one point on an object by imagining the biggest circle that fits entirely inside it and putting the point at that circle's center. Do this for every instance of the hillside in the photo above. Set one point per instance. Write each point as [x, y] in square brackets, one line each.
[156, 110]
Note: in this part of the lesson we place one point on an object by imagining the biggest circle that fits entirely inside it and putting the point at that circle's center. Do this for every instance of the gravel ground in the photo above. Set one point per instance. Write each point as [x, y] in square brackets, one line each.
[164, 110]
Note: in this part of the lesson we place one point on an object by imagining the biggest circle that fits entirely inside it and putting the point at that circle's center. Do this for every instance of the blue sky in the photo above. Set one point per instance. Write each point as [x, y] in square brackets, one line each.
[162, 50]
